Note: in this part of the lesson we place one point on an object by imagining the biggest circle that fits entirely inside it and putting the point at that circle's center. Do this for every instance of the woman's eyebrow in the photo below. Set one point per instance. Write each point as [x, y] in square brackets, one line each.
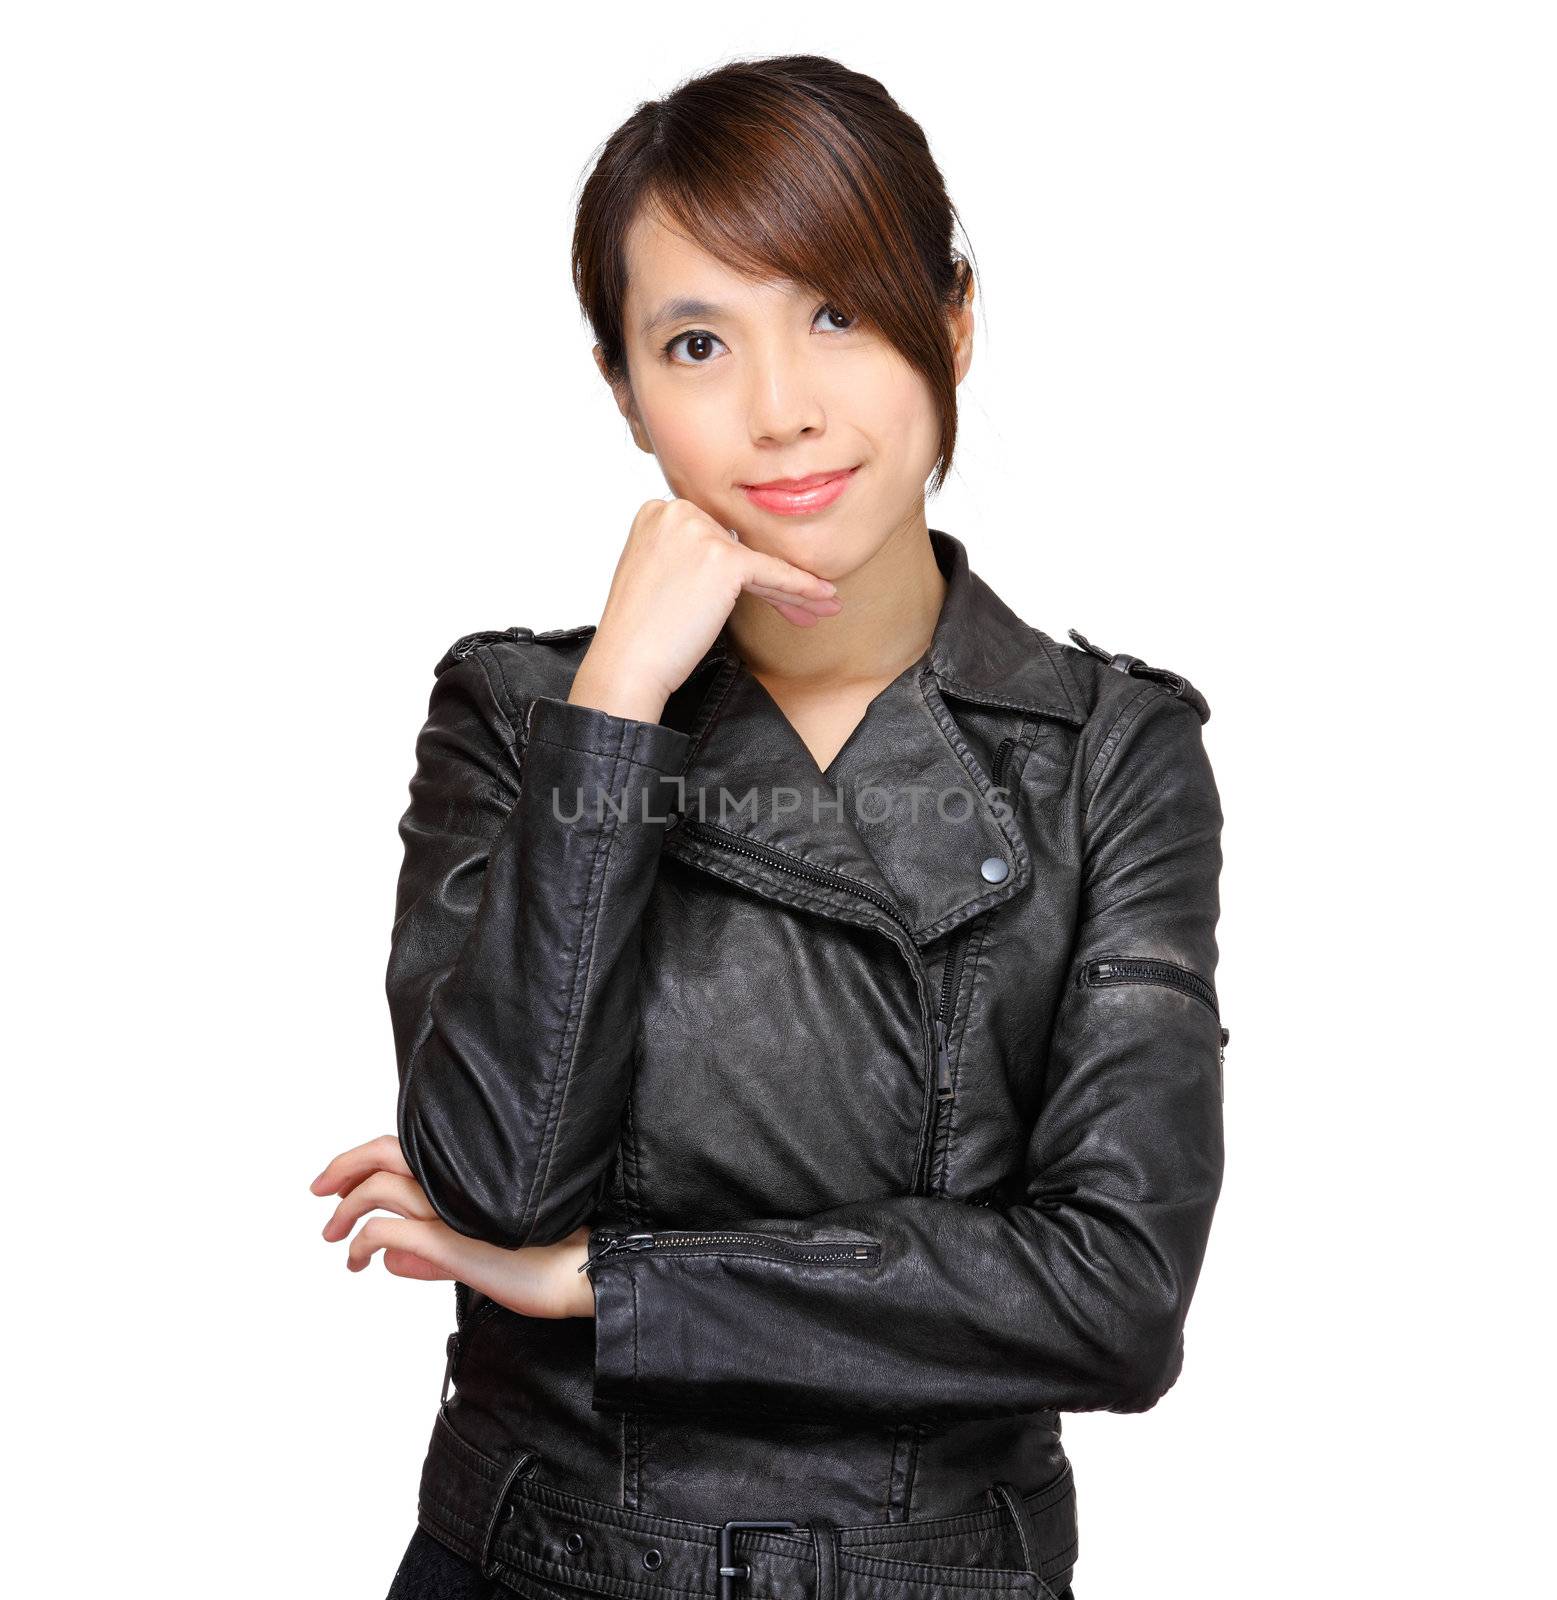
[679, 309]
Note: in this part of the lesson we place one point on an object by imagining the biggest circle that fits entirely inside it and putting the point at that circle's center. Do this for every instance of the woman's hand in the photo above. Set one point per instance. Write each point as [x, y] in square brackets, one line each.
[537, 1281]
[676, 582]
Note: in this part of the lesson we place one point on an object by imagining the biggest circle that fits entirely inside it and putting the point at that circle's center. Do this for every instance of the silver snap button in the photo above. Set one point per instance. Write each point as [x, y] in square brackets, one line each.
[575, 1542]
[994, 870]
[652, 1560]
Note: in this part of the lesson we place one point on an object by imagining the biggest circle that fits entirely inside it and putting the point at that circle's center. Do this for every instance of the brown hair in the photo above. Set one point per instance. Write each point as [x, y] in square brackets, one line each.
[795, 167]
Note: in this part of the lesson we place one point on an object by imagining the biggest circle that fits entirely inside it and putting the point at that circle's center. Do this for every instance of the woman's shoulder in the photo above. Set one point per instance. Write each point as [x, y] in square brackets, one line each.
[1113, 677]
[499, 640]
[496, 672]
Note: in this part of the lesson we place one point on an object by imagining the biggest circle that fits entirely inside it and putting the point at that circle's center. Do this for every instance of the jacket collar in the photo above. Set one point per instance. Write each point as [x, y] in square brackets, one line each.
[903, 831]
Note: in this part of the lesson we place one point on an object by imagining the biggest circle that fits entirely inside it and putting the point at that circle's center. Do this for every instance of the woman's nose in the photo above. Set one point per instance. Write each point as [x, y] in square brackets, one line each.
[784, 401]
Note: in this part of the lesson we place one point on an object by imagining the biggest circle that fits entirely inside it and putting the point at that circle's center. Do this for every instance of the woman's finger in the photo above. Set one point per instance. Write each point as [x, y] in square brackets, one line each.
[823, 608]
[387, 1190]
[406, 1265]
[350, 1167]
[515, 1278]
[435, 1242]
[771, 572]
[793, 613]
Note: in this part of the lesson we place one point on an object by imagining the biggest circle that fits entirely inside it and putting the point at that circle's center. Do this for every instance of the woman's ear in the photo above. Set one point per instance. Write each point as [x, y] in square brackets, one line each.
[621, 392]
[962, 324]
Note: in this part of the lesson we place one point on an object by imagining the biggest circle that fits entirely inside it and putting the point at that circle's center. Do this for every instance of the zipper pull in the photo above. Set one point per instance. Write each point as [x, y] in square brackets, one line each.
[620, 1241]
[943, 1061]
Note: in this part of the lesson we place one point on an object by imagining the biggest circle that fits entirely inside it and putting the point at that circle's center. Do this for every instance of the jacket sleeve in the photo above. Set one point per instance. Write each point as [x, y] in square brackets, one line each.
[530, 846]
[1074, 1298]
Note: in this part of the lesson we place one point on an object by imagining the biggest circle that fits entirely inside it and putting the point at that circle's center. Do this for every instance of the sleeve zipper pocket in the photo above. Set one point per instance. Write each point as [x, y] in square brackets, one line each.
[753, 1244]
[1108, 970]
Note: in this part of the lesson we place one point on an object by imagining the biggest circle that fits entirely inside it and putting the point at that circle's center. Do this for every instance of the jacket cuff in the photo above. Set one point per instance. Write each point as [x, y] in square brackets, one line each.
[616, 1336]
[591, 731]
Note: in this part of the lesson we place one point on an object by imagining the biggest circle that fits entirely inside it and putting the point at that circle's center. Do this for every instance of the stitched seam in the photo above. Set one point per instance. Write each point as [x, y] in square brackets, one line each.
[1131, 709]
[563, 1066]
[1007, 830]
[911, 1472]
[1165, 699]
[603, 755]
[845, 909]
[1056, 661]
[894, 1471]
[971, 958]
[632, 1284]
[982, 697]
[805, 869]
[544, 1571]
[709, 711]
[930, 1573]
[479, 1462]
[511, 712]
[631, 1157]
[958, 1525]
[947, 727]
[499, 698]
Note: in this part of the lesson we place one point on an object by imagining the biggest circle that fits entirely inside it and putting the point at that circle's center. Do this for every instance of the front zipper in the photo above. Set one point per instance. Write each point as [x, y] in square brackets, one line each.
[837, 880]
[1107, 970]
[766, 1244]
[803, 869]
[951, 982]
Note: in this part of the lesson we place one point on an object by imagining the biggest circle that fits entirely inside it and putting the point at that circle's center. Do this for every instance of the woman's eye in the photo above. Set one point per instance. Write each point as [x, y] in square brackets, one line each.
[699, 348]
[832, 313]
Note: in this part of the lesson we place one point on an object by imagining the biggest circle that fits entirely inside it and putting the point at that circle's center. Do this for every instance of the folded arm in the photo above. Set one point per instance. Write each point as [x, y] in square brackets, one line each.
[530, 848]
[1073, 1299]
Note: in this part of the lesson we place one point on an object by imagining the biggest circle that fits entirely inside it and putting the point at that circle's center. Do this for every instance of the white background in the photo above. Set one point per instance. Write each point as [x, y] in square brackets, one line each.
[295, 392]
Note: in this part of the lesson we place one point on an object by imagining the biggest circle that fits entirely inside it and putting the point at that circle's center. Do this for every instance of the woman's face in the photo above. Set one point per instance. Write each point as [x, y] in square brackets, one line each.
[733, 383]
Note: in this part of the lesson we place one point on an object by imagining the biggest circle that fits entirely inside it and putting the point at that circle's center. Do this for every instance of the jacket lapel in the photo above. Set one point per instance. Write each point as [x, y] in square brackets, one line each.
[904, 830]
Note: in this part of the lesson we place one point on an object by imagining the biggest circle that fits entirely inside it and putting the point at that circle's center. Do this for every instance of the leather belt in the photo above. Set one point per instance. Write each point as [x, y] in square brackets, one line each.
[515, 1527]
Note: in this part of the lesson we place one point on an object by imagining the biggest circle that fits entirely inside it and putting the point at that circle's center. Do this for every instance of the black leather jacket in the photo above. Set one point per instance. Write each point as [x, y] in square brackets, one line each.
[894, 1102]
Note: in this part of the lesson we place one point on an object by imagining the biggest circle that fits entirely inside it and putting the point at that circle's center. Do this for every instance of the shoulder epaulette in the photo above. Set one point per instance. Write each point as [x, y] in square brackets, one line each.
[463, 646]
[1174, 682]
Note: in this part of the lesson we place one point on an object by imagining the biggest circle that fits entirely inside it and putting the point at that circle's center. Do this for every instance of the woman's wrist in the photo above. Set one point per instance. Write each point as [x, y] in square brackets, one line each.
[620, 692]
[580, 1294]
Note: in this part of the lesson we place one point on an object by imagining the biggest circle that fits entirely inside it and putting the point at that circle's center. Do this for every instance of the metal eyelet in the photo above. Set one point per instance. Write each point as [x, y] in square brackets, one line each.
[575, 1542]
[653, 1560]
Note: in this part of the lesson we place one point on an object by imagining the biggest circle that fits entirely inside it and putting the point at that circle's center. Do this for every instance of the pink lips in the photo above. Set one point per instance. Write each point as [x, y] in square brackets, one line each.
[792, 496]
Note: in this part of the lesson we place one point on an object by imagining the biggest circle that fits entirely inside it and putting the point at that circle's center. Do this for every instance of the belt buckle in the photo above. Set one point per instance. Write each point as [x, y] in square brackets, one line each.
[728, 1571]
